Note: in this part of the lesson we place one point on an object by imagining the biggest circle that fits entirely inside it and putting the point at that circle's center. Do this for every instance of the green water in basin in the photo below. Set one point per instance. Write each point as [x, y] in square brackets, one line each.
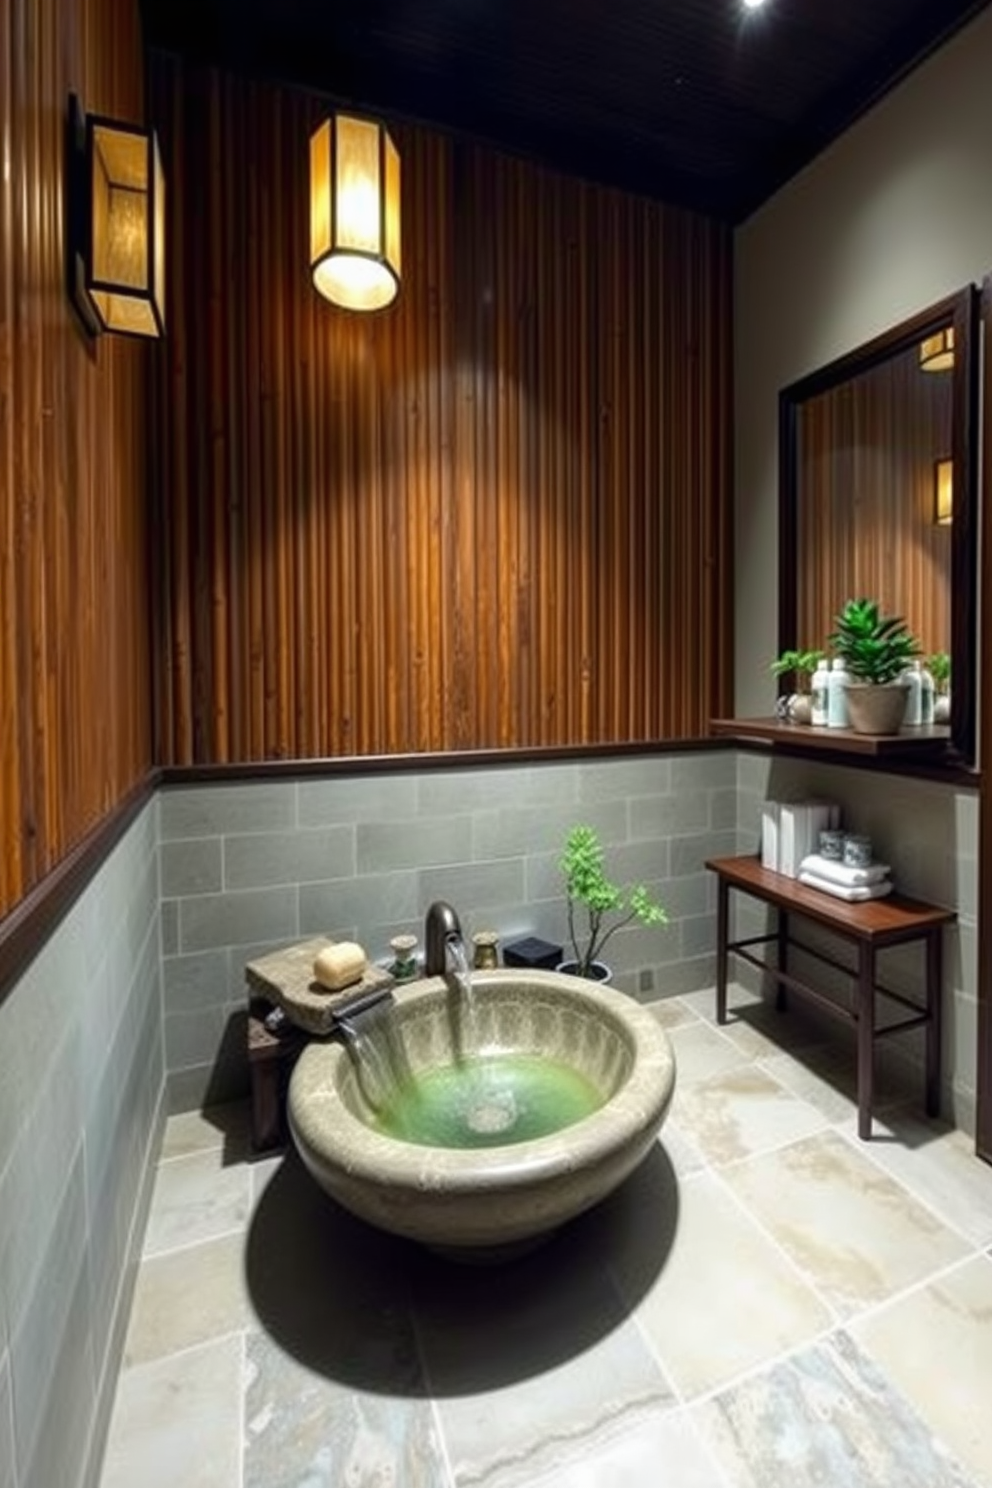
[489, 1101]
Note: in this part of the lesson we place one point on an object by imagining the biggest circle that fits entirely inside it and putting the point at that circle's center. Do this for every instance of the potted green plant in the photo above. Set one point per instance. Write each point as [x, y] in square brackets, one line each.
[875, 649]
[598, 908]
[801, 664]
[939, 667]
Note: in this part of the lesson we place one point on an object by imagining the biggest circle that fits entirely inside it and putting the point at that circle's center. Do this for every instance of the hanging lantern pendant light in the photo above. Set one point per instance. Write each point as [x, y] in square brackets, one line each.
[354, 212]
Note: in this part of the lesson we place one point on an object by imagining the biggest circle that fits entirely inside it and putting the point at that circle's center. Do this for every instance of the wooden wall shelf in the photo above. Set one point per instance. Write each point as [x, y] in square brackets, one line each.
[931, 741]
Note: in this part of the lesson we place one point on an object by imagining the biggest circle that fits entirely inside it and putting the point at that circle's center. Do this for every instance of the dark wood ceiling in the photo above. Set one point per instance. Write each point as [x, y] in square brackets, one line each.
[695, 101]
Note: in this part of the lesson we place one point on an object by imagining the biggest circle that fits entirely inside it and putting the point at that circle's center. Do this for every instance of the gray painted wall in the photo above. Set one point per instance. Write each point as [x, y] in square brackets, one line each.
[81, 1100]
[246, 868]
[928, 833]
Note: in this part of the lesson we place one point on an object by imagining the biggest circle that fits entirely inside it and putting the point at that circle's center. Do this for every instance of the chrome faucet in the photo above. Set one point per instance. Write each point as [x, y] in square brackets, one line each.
[441, 929]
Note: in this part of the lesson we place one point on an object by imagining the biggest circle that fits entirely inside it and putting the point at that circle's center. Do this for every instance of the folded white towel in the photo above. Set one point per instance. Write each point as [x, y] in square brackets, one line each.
[852, 895]
[841, 873]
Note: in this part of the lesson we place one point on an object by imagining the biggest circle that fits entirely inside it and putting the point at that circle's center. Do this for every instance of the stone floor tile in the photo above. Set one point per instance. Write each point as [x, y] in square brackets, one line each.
[740, 1112]
[936, 1163]
[217, 1128]
[856, 1233]
[935, 1345]
[826, 1415]
[186, 1297]
[700, 1051]
[664, 1452]
[304, 1429]
[196, 1198]
[178, 1420]
[725, 1299]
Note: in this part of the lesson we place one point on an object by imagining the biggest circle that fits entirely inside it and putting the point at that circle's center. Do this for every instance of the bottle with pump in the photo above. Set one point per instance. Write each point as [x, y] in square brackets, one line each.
[928, 693]
[836, 696]
[913, 677]
[819, 687]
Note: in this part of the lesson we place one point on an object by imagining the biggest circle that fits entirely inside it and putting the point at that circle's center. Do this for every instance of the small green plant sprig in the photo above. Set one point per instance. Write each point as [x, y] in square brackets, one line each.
[587, 885]
[939, 667]
[801, 663]
[874, 647]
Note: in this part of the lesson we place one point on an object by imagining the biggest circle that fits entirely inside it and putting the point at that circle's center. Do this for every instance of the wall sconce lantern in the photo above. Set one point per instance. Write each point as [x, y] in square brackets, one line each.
[116, 225]
[937, 351]
[943, 492]
[354, 212]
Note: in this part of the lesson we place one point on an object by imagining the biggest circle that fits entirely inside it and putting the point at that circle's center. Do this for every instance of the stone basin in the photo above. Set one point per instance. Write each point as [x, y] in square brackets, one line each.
[488, 1203]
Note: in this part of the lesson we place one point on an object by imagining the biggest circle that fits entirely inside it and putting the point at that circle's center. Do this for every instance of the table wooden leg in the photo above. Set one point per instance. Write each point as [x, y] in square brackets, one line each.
[783, 959]
[866, 1037]
[935, 997]
[722, 925]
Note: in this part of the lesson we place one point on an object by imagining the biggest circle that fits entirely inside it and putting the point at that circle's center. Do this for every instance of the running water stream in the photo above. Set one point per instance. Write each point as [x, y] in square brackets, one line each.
[482, 1098]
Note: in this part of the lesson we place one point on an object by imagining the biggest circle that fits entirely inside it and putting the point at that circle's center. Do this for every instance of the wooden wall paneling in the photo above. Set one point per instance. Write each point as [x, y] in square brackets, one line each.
[75, 732]
[491, 516]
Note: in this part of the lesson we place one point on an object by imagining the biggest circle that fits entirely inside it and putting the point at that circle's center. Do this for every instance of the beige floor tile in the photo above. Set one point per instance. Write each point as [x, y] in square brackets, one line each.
[938, 1164]
[178, 1421]
[197, 1198]
[700, 1052]
[935, 1344]
[218, 1128]
[741, 1112]
[187, 1297]
[672, 1012]
[684, 1156]
[857, 1234]
[725, 1299]
[634, 1459]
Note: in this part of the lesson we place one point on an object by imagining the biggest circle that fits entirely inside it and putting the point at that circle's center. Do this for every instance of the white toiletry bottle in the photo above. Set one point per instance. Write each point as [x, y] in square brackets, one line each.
[818, 688]
[836, 696]
[912, 676]
[928, 692]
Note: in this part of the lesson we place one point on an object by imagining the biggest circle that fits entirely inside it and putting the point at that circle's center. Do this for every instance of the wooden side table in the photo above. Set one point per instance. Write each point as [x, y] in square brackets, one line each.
[870, 926]
[271, 1056]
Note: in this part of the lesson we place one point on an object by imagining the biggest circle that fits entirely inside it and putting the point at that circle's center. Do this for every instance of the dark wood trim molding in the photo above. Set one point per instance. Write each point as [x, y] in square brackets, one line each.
[25, 930]
[386, 764]
[983, 1079]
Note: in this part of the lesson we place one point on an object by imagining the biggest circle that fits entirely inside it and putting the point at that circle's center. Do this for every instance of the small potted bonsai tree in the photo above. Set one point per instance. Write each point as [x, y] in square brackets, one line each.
[876, 649]
[798, 706]
[597, 908]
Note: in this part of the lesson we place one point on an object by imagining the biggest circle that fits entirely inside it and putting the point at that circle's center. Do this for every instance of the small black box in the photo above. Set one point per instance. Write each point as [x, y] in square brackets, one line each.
[533, 952]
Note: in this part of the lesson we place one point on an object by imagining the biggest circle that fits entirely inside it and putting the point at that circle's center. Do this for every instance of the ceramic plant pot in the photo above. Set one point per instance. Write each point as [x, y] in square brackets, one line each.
[942, 708]
[599, 971]
[876, 708]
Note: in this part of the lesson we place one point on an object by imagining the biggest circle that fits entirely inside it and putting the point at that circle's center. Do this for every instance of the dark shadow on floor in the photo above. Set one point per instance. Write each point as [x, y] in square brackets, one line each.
[345, 1299]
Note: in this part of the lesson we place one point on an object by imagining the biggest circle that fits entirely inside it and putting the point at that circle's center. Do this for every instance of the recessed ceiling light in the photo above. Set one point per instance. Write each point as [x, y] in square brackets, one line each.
[753, 4]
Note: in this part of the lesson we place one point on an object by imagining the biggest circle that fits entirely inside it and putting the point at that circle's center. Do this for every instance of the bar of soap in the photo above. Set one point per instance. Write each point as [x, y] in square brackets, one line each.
[339, 965]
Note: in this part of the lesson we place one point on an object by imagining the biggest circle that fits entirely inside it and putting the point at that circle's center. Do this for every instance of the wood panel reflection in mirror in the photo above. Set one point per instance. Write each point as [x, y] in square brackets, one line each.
[865, 445]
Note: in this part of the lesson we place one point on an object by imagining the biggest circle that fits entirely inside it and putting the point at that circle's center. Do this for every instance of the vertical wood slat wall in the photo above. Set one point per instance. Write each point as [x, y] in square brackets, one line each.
[866, 508]
[495, 515]
[75, 732]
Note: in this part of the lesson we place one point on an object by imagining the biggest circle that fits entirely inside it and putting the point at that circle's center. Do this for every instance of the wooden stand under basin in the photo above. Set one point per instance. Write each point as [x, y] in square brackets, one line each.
[870, 927]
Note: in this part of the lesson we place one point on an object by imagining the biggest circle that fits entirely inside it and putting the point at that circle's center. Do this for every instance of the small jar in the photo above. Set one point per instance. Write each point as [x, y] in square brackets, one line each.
[484, 956]
[857, 851]
[832, 844]
[404, 949]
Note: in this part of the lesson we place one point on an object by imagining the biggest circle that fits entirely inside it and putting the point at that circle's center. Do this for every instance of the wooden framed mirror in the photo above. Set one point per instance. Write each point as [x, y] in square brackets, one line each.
[877, 494]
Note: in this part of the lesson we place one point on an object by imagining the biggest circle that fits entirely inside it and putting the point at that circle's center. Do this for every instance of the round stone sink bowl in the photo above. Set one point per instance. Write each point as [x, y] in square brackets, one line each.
[485, 1202]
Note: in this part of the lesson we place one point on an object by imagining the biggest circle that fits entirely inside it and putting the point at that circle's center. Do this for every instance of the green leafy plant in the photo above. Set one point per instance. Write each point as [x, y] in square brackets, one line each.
[939, 666]
[875, 647]
[590, 891]
[801, 663]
